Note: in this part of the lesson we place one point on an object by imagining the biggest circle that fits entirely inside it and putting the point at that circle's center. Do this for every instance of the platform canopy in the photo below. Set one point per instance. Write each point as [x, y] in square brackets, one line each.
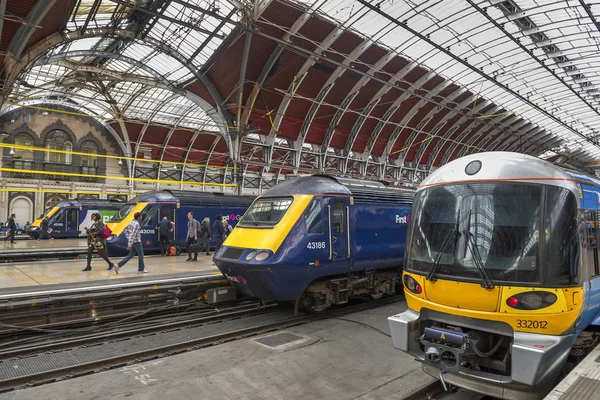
[384, 90]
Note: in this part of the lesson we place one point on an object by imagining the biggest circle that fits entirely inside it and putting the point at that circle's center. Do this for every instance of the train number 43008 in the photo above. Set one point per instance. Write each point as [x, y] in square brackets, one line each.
[315, 245]
[529, 324]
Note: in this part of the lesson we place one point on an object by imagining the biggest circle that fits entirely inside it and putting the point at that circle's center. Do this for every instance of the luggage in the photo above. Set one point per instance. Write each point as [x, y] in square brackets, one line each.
[107, 232]
[174, 251]
[196, 248]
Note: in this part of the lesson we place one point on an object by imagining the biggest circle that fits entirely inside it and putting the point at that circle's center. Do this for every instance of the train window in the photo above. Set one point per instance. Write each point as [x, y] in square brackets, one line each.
[337, 216]
[562, 244]
[72, 215]
[148, 215]
[122, 213]
[59, 216]
[266, 211]
[314, 221]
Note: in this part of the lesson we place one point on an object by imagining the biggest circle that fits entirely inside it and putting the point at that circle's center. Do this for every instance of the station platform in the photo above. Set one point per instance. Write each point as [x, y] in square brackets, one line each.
[34, 249]
[337, 358]
[49, 275]
[583, 383]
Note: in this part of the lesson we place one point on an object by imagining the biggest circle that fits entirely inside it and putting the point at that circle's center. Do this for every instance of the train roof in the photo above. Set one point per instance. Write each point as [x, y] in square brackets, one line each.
[193, 198]
[89, 203]
[508, 166]
[363, 191]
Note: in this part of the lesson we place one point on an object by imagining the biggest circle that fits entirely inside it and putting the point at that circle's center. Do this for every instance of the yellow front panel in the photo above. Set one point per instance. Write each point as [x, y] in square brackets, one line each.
[50, 213]
[553, 320]
[117, 227]
[269, 238]
[462, 295]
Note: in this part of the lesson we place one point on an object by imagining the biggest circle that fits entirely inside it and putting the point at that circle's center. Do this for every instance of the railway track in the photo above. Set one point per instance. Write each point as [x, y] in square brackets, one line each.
[45, 360]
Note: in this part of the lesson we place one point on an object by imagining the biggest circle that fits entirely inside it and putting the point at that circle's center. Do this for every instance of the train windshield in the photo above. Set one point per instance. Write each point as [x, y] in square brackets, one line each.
[459, 229]
[122, 213]
[266, 212]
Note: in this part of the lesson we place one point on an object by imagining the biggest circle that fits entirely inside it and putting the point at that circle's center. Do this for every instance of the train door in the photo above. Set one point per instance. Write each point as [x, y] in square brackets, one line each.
[72, 221]
[57, 223]
[169, 212]
[339, 231]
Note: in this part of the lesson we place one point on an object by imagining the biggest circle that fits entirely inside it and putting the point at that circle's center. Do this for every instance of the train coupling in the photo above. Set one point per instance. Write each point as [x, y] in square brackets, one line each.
[444, 348]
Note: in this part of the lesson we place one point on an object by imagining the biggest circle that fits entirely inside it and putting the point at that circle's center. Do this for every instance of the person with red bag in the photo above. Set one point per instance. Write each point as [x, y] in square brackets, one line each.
[96, 241]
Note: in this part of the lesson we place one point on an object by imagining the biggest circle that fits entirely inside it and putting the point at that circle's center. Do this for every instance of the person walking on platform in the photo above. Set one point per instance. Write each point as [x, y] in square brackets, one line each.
[44, 229]
[192, 236]
[218, 233]
[165, 227]
[205, 234]
[133, 232]
[96, 242]
[11, 225]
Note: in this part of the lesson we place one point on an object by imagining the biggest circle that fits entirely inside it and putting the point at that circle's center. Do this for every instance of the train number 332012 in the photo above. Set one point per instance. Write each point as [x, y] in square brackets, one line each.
[315, 245]
[529, 324]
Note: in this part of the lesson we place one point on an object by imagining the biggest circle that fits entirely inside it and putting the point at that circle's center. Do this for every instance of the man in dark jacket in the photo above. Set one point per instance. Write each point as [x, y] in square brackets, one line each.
[218, 233]
[165, 227]
[12, 229]
[205, 234]
[44, 229]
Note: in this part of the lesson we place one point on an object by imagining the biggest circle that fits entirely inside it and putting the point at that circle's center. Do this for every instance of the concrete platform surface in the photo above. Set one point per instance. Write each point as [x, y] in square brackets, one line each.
[330, 359]
[52, 273]
[583, 383]
[43, 245]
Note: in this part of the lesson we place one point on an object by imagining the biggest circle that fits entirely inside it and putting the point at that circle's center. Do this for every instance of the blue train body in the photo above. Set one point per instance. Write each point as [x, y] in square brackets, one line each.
[175, 205]
[336, 238]
[68, 218]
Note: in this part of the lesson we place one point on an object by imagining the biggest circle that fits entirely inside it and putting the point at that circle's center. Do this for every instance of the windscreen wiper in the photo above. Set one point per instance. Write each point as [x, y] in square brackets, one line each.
[438, 258]
[477, 260]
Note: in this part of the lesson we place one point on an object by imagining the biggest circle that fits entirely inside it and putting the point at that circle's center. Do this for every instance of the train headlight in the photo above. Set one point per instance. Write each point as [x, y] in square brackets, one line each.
[531, 300]
[250, 255]
[261, 256]
[412, 285]
[111, 237]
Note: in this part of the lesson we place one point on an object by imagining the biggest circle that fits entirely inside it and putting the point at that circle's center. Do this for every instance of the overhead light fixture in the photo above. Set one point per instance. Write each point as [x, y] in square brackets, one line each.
[174, 166]
[120, 162]
[12, 151]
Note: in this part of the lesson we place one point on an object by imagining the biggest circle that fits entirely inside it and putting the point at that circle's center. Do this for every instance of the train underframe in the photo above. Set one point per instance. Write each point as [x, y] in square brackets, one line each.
[322, 294]
[484, 356]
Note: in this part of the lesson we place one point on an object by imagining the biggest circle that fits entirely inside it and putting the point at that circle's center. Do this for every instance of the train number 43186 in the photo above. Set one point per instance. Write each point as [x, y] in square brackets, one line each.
[315, 245]
[529, 324]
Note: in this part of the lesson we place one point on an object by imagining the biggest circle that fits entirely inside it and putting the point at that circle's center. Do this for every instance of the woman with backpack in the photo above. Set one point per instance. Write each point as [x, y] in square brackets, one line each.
[96, 241]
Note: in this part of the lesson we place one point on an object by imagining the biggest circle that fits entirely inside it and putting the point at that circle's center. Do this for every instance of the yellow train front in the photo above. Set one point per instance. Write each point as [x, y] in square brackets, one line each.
[501, 273]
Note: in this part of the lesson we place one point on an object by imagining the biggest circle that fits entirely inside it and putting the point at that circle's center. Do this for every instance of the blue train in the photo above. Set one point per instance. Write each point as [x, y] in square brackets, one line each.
[68, 218]
[175, 204]
[319, 240]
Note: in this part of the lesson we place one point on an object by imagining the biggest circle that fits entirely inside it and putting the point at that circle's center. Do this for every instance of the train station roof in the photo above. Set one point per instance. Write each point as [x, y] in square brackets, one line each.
[382, 89]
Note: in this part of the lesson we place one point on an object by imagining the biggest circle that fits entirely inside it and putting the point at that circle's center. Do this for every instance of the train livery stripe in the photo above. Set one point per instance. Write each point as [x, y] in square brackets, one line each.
[53, 211]
[269, 238]
[501, 180]
[117, 227]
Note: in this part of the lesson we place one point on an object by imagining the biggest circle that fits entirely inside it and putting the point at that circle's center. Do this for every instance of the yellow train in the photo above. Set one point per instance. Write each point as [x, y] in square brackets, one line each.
[501, 273]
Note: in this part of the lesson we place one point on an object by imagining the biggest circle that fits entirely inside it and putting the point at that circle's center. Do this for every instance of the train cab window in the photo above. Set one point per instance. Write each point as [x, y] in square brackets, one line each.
[148, 216]
[266, 211]
[562, 237]
[122, 213]
[59, 217]
[337, 217]
[313, 218]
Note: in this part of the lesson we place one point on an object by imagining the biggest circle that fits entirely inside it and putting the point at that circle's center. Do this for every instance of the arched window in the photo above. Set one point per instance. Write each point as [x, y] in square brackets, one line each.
[58, 140]
[90, 148]
[51, 202]
[23, 139]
